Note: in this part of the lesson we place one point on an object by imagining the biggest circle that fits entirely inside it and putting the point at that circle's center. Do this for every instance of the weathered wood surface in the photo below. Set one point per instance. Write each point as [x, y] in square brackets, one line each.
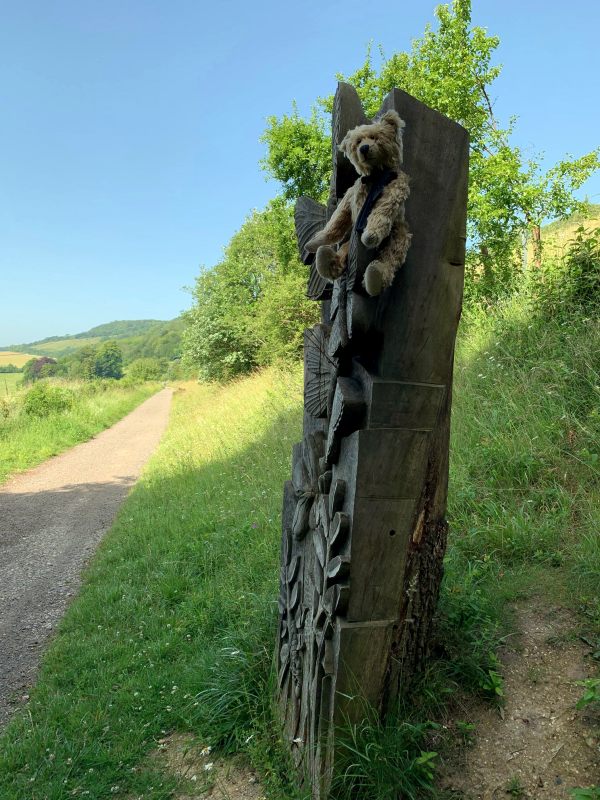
[364, 530]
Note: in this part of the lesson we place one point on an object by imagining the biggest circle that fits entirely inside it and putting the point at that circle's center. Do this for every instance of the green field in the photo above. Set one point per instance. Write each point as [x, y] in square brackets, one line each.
[60, 347]
[137, 339]
[11, 357]
[9, 382]
[63, 347]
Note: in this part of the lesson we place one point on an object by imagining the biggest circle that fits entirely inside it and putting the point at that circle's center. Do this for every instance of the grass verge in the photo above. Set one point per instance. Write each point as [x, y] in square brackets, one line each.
[173, 630]
[27, 439]
[189, 568]
[9, 383]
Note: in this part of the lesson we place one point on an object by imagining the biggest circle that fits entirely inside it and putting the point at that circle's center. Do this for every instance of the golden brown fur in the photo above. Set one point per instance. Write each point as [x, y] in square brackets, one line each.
[369, 147]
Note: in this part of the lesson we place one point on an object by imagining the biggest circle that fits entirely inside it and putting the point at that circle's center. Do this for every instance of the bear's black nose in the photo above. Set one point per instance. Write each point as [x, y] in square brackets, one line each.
[364, 149]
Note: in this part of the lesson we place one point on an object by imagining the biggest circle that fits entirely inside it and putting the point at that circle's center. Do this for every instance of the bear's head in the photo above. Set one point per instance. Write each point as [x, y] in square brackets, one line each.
[375, 146]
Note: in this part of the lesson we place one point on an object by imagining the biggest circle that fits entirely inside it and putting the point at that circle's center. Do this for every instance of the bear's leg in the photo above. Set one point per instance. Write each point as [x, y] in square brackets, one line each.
[331, 263]
[380, 273]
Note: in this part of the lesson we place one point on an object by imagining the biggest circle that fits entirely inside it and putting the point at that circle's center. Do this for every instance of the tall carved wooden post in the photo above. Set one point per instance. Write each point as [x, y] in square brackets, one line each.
[364, 530]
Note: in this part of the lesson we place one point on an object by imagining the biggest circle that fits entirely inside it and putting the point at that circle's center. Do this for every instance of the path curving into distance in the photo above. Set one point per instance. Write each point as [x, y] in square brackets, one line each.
[51, 521]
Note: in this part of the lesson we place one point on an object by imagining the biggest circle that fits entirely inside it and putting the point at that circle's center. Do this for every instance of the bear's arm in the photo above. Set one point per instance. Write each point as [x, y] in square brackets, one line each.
[337, 227]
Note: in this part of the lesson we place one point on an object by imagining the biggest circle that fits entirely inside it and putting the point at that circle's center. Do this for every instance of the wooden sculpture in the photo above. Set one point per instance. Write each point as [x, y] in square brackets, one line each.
[364, 530]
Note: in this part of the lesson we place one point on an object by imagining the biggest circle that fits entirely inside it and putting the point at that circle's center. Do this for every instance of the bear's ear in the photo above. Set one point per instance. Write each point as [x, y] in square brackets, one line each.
[393, 118]
[343, 145]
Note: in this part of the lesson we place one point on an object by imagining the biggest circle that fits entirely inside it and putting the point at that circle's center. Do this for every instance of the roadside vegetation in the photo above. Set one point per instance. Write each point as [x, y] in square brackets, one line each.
[9, 382]
[173, 632]
[52, 415]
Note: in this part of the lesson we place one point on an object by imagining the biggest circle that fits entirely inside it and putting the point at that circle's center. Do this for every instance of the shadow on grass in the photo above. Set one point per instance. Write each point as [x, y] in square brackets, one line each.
[190, 565]
[46, 538]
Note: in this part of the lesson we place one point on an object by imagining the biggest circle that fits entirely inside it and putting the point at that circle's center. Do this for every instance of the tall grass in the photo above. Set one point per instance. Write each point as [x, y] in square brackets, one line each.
[525, 464]
[28, 438]
[174, 627]
[9, 383]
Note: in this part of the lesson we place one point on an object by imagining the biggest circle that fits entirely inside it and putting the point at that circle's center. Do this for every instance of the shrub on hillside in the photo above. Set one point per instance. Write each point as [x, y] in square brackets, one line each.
[37, 368]
[570, 284]
[109, 361]
[147, 369]
[250, 308]
[44, 399]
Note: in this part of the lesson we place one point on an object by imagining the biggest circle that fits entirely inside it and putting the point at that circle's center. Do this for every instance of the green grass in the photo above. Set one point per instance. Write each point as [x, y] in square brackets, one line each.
[190, 566]
[9, 383]
[63, 347]
[525, 466]
[174, 627]
[557, 236]
[27, 440]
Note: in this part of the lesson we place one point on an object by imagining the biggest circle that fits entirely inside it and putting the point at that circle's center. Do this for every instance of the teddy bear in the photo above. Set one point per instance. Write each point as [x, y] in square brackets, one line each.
[374, 205]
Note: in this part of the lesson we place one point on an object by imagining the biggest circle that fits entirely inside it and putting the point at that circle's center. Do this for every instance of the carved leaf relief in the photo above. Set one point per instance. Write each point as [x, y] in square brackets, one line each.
[320, 369]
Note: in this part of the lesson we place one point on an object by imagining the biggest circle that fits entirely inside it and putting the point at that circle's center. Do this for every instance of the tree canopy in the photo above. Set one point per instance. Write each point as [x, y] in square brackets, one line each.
[451, 69]
[250, 308]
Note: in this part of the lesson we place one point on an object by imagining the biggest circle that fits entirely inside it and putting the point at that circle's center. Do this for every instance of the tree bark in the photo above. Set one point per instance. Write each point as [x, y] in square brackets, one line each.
[536, 232]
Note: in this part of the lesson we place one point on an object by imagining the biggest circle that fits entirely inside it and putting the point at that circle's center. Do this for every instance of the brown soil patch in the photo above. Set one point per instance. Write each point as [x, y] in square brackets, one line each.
[204, 776]
[539, 746]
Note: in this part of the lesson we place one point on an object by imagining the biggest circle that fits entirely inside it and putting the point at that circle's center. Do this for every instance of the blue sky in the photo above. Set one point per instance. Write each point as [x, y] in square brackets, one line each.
[129, 143]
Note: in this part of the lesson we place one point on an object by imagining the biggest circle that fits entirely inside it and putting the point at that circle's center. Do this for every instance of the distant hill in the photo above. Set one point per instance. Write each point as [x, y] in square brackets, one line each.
[137, 338]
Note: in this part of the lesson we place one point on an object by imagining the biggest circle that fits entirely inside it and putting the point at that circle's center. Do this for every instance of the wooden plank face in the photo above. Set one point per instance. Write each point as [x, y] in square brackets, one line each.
[362, 649]
[398, 404]
[381, 532]
[363, 520]
[391, 463]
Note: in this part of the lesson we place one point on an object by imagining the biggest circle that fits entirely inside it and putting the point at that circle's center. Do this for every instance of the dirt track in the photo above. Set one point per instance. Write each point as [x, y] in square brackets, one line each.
[51, 520]
[541, 746]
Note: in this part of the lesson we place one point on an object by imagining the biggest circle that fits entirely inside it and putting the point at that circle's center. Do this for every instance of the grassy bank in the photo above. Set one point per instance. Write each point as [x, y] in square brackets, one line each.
[9, 383]
[174, 627]
[189, 568]
[525, 467]
[32, 430]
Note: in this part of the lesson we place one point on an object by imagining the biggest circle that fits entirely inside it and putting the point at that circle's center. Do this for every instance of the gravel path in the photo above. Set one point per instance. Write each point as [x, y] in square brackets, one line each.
[51, 520]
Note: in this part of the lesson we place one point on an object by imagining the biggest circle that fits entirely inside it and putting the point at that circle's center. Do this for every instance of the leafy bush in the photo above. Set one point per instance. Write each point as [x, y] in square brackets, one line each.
[37, 368]
[45, 399]
[251, 308]
[591, 693]
[109, 361]
[571, 284]
[147, 369]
